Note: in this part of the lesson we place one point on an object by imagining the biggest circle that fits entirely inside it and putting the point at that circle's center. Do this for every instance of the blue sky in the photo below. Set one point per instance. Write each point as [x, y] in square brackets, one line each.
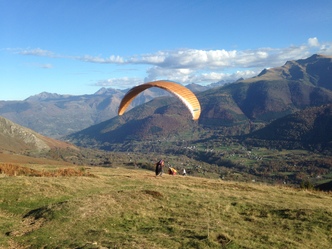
[78, 46]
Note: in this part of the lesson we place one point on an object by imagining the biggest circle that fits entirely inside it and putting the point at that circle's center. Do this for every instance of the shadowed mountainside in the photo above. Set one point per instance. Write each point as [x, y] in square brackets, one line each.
[159, 117]
[309, 126]
[55, 115]
[234, 109]
[272, 94]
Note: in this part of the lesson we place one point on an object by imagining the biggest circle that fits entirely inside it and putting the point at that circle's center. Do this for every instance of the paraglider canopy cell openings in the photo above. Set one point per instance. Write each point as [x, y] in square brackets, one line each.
[183, 93]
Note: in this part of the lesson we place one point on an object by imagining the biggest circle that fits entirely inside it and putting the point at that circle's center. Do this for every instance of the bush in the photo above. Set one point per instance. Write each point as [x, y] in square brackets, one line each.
[306, 185]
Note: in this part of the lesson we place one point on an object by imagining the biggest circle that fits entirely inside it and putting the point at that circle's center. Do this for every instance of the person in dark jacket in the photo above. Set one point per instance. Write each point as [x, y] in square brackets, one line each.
[159, 167]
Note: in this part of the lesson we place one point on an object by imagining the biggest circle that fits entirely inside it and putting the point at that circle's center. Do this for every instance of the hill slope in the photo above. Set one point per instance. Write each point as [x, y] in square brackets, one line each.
[272, 94]
[18, 139]
[122, 208]
[312, 126]
[55, 115]
[315, 70]
[158, 119]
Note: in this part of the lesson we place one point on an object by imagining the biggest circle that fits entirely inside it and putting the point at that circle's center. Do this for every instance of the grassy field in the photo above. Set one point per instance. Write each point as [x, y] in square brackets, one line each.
[131, 208]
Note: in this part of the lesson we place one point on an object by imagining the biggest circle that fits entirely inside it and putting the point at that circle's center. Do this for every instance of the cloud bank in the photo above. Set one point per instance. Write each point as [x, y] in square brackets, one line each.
[196, 65]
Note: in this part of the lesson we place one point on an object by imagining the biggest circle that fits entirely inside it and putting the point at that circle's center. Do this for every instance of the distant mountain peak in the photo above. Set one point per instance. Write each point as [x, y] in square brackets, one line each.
[273, 93]
[303, 69]
[107, 91]
[45, 96]
[317, 56]
[101, 91]
[264, 71]
[313, 59]
[196, 87]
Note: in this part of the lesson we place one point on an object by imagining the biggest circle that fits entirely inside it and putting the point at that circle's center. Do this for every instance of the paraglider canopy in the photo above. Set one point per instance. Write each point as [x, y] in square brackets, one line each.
[183, 93]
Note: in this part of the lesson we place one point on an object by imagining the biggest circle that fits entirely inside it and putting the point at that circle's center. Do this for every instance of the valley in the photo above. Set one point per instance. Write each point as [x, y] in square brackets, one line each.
[272, 128]
[258, 163]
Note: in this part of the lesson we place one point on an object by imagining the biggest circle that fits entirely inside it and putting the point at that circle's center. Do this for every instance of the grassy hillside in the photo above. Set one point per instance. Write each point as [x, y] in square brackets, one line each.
[311, 127]
[18, 139]
[130, 208]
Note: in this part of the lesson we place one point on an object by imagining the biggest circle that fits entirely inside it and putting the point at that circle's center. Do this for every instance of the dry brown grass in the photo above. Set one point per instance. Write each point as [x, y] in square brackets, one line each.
[16, 170]
[125, 208]
[6, 157]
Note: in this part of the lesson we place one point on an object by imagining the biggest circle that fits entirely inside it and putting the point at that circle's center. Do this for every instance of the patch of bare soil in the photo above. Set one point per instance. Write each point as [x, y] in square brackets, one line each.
[13, 245]
[15, 170]
[29, 224]
[154, 194]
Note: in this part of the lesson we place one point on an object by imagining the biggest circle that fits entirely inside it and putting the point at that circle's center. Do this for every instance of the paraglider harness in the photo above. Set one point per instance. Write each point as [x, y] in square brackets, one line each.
[172, 171]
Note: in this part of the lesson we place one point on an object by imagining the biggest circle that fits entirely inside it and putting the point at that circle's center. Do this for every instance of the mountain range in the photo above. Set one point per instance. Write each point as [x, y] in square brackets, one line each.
[239, 108]
[55, 115]
[272, 94]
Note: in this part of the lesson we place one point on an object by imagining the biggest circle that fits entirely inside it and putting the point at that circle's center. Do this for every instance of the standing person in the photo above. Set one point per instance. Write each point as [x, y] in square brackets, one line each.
[159, 167]
[184, 172]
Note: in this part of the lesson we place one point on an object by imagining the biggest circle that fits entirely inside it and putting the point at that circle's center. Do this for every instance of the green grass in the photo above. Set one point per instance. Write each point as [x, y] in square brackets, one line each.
[126, 208]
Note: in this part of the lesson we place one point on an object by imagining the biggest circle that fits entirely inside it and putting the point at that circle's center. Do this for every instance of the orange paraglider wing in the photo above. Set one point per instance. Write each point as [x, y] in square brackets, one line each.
[183, 93]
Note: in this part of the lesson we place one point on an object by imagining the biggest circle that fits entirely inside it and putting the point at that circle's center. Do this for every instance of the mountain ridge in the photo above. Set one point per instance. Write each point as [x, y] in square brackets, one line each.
[305, 128]
[17, 139]
[246, 103]
[56, 115]
[234, 109]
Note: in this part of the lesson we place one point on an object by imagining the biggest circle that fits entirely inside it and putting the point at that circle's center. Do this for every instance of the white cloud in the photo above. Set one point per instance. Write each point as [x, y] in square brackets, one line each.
[46, 66]
[160, 73]
[120, 83]
[325, 48]
[196, 65]
[36, 52]
[313, 42]
[113, 59]
[183, 76]
[156, 58]
[187, 58]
